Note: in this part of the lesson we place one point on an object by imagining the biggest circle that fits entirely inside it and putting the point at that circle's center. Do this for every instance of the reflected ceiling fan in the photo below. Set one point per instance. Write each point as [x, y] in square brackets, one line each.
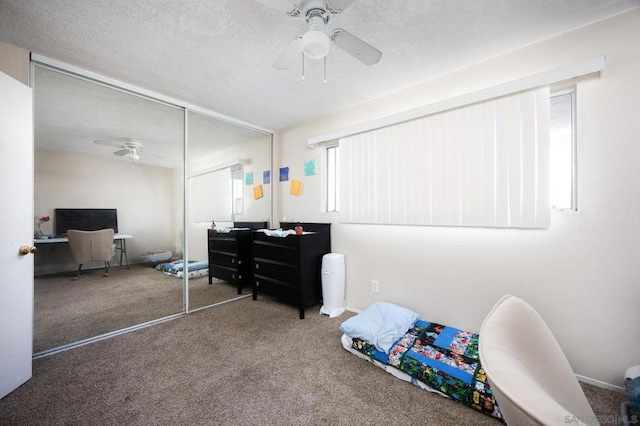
[315, 43]
[130, 148]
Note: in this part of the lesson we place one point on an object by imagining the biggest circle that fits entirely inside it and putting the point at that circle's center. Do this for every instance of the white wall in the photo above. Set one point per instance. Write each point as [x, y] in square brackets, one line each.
[14, 61]
[144, 197]
[582, 274]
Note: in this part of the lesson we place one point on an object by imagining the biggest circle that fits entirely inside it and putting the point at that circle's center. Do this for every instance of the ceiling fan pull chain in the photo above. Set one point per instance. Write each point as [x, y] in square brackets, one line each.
[303, 67]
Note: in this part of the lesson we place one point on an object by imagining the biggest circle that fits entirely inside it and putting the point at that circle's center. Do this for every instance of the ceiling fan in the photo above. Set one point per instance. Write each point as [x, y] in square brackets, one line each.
[315, 43]
[130, 148]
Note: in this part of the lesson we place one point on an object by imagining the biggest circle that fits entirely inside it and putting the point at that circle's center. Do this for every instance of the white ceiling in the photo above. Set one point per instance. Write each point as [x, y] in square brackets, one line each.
[218, 54]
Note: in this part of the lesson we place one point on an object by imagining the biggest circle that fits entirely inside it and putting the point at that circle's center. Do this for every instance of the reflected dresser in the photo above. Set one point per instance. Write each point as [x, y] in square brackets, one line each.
[230, 253]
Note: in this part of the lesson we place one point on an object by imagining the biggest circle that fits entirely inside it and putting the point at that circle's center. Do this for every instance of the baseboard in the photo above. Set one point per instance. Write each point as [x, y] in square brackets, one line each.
[600, 384]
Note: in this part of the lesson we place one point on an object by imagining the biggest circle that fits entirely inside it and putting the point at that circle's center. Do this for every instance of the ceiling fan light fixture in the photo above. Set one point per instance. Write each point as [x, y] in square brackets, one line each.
[134, 156]
[315, 44]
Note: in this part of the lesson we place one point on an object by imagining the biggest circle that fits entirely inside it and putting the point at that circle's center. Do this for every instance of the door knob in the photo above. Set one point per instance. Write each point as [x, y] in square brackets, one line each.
[23, 250]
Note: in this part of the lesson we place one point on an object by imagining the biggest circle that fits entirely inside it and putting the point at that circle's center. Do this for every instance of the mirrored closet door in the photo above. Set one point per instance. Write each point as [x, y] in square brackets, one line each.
[228, 194]
[101, 148]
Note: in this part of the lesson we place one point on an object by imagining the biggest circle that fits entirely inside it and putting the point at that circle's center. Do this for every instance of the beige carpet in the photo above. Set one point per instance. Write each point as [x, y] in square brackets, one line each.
[242, 363]
[66, 311]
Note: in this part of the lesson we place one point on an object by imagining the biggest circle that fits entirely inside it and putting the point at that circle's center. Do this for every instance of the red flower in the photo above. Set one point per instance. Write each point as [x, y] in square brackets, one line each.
[44, 219]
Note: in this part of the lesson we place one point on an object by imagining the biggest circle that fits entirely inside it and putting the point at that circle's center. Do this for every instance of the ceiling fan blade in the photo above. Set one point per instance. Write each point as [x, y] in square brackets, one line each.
[108, 143]
[289, 55]
[337, 6]
[288, 7]
[356, 47]
[122, 152]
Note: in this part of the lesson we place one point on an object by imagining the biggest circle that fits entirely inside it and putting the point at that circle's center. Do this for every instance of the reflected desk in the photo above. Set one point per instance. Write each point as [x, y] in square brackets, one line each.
[119, 239]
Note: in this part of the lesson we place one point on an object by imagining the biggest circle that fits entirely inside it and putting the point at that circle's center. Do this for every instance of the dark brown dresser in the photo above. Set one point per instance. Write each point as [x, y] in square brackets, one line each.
[289, 268]
[230, 253]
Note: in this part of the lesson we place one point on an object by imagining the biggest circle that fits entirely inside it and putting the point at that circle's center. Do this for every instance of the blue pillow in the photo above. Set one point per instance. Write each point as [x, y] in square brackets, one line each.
[381, 325]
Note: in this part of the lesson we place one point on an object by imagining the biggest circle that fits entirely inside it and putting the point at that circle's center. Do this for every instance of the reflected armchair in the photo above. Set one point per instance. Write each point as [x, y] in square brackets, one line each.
[92, 246]
[531, 378]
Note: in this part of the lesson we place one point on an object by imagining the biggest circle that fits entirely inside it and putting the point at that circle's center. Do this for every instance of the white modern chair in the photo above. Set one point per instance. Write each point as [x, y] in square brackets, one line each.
[92, 246]
[528, 372]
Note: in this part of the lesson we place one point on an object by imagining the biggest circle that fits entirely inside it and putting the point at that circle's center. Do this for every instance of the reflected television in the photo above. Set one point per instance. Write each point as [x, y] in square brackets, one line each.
[84, 220]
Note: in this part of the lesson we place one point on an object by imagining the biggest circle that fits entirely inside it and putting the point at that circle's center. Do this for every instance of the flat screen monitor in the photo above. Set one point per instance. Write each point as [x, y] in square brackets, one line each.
[85, 220]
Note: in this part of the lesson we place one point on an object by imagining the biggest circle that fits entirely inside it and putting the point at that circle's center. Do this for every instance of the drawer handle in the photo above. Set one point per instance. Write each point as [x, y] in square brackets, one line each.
[233, 261]
[257, 266]
[233, 276]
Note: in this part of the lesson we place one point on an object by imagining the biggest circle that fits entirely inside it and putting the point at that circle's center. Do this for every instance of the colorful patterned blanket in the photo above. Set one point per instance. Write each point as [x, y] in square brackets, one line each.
[443, 358]
[197, 268]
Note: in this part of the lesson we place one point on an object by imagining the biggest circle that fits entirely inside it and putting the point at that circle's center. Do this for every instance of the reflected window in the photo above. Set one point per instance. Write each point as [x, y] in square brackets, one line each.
[237, 190]
[210, 195]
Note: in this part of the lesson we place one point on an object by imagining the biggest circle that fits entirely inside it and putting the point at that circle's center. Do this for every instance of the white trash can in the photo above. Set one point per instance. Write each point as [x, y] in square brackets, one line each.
[332, 284]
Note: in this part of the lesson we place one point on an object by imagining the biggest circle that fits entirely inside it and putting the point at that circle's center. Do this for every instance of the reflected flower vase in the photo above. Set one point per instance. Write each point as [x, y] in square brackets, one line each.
[41, 220]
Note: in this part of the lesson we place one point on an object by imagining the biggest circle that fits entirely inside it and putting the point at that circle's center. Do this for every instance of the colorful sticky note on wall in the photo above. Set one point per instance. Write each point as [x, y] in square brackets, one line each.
[310, 167]
[296, 188]
[284, 174]
[248, 178]
[257, 192]
[266, 177]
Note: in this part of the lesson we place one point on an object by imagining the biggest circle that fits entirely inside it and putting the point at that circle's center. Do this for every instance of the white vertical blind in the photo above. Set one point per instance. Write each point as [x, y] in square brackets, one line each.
[210, 196]
[485, 164]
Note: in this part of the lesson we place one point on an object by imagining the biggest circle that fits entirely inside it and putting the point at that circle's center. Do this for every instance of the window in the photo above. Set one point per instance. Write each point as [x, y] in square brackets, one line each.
[484, 164]
[332, 179]
[563, 150]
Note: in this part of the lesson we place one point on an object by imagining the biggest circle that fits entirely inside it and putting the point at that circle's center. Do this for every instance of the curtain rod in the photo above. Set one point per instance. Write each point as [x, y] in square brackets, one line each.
[556, 75]
[230, 164]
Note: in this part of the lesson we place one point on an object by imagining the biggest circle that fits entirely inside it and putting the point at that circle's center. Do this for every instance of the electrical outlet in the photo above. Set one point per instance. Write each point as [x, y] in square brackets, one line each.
[374, 286]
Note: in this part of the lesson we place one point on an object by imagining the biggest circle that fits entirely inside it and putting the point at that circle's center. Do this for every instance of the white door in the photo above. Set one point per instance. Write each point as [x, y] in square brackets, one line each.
[16, 230]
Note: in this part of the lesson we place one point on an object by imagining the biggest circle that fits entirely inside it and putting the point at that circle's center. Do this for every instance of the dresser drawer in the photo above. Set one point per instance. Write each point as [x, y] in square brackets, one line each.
[224, 259]
[282, 272]
[277, 289]
[278, 253]
[224, 273]
[223, 244]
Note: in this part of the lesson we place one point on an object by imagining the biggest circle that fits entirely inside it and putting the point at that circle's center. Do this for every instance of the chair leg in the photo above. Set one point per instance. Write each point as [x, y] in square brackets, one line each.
[77, 273]
[107, 266]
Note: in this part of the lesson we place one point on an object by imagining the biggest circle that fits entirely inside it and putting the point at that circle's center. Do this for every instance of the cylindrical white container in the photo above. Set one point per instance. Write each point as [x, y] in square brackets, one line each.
[333, 283]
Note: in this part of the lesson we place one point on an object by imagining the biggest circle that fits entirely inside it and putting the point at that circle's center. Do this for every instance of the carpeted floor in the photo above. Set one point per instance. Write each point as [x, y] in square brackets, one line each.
[242, 363]
[66, 311]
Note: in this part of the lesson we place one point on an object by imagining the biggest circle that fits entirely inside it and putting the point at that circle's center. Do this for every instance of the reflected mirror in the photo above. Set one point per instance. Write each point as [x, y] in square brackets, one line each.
[97, 147]
[228, 193]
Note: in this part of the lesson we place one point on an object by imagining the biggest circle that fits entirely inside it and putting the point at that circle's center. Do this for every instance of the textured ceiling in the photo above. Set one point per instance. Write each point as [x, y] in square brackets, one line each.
[218, 54]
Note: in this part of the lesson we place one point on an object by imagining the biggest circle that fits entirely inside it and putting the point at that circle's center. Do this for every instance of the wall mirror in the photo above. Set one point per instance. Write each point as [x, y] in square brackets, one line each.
[228, 184]
[97, 146]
